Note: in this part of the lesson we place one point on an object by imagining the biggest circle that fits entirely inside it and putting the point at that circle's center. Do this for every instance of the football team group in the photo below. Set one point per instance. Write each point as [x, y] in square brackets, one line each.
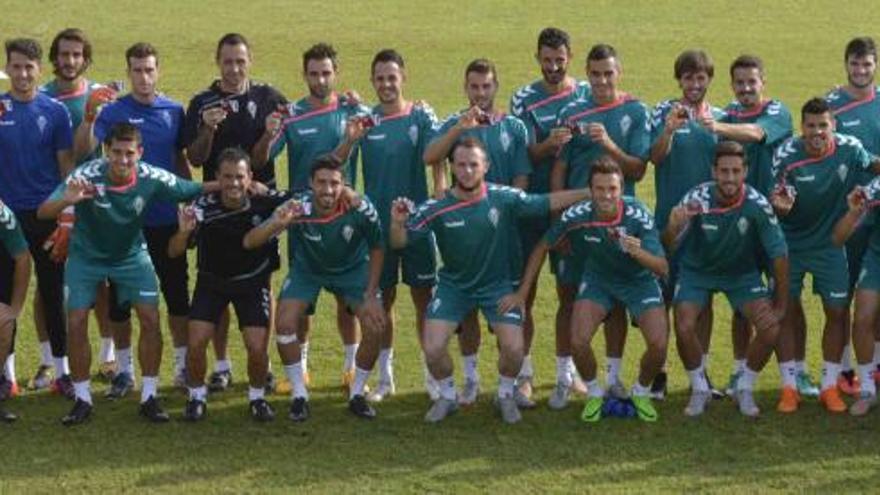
[98, 200]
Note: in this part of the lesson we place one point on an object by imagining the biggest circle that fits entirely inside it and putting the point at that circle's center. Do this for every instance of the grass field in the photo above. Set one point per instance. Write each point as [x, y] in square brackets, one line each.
[802, 45]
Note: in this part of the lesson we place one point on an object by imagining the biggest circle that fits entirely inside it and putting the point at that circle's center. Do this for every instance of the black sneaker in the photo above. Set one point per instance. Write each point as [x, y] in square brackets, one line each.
[219, 381]
[152, 411]
[261, 411]
[7, 417]
[120, 386]
[80, 413]
[195, 410]
[658, 386]
[717, 394]
[299, 410]
[63, 385]
[359, 406]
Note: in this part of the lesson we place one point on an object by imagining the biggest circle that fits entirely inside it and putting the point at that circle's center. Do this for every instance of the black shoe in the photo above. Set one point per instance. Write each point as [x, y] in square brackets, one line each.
[120, 386]
[261, 411]
[717, 394]
[80, 413]
[195, 410]
[7, 417]
[64, 386]
[153, 411]
[220, 381]
[359, 406]
[299, 410]
[658, 386]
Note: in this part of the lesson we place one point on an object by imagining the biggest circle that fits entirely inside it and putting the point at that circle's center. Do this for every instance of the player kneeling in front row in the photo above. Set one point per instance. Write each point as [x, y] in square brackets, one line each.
[15, 273]
[229, 273]
[616, 238]
[336, 248]
[720, 226]
[472, 222]
[110, 197]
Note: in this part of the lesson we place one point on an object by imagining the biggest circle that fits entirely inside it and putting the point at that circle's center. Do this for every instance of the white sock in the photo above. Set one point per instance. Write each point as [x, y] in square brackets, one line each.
[594, 389]
[563, 370]
[698, 379]
[149, 385]
[470, 367]
[350, 353]
[198, 393]
[866, 376]
[747, 379]
[800, 367]
[447, 388]
[82, 390]
[107, 353]
[294, 373]
[829, 375]
[304, 356]
[739, 365]
[846, 359]
[612, 370]
[126, 365]
[385, 362]
[527, 370]
[876, 353]
[788, 374]
[46, 354]
[640, 390]
[9, 368]
[222, 365]
[179, 359]
[256, 393]
[360, 381]
[505, 386]
[62, 367]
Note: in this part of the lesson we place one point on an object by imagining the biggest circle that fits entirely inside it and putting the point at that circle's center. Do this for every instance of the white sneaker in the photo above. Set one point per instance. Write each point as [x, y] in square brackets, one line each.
[384, 389]
[469, 392]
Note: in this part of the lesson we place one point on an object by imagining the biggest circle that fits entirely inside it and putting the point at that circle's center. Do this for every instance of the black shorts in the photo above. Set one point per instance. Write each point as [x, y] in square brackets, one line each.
[252, 301]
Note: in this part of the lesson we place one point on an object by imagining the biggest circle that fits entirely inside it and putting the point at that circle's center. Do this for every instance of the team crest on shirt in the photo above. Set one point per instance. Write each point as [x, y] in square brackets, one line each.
[493, 216]
[138, 205]
[41, 123]
[505, 140]
[414, 134]
[233, 104]
[625, 124]
[166, 117]
[842, 172]
[347, 232]
[252, 108]
[743, 225]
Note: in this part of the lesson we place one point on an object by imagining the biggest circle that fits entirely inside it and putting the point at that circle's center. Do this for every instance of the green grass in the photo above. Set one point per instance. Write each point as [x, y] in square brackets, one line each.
[802, 45]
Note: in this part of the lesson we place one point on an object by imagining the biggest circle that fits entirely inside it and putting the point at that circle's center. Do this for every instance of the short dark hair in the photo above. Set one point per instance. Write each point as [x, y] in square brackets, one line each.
[814, 106]
[747, 62]
[481, 66]
[601, 51]
[554, 38]
[385, 56]
[468, 142]
[141, 49]
[319, 51]
[860, 47]
[693, 61]
[605, 165]
[123, 131]
[28, 47]
[72, 34]
[730, 148]
[231, 39]
[327, 162]
[233, 155]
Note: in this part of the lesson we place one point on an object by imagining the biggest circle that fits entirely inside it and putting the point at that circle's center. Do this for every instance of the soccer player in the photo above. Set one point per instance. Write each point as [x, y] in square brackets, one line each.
[506, 140]
[35, 153]
[228, 273]
[159, 121]
[682, 151]
[71, 56]
[855, 109]
[15, 273]
[471, 223]
[110, 196]
[336, 248]
[231, 113]
[815, 172]
[317, 124]
[391, 156]
[760, 124]
[616, 238]
[607, 122]
[721, 226]
[538, 105]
